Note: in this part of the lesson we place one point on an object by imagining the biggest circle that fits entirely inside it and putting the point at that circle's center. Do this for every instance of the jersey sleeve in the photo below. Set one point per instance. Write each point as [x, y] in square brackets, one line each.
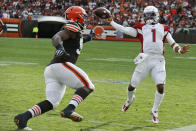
[167, 28]
[139, 25]
[170, 39]
[127, 30]
[167, 34]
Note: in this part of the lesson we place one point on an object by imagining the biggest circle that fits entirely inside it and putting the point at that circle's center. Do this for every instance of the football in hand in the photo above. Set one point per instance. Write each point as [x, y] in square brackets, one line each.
[102, 13]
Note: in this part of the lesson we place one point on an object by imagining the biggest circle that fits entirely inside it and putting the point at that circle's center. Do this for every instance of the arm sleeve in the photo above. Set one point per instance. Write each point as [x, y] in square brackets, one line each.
[170, 39]
[87, 38]
[127, 30]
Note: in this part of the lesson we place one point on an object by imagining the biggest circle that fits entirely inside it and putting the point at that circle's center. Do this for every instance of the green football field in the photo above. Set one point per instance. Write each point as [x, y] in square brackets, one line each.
[109, 65]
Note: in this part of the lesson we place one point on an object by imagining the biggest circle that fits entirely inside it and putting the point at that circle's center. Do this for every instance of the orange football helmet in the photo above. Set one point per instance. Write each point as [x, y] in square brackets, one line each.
[76, 14]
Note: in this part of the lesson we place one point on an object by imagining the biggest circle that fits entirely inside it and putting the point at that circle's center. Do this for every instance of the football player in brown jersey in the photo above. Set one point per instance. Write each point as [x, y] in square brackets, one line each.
[62, 71]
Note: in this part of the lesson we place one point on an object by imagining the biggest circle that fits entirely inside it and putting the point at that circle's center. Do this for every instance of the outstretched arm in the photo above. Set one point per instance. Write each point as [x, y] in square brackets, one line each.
[127, 30]
[89, 37]
[176, 47]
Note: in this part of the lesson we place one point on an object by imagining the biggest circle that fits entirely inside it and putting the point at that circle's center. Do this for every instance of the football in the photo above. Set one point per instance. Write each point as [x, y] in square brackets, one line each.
[102, 13]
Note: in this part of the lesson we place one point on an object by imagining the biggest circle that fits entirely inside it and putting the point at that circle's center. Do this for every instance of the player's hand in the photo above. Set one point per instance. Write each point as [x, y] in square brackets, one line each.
[108, 20]
[89, 37]
[60, 51]
[63, 53]
[92, 34]
[185, 49]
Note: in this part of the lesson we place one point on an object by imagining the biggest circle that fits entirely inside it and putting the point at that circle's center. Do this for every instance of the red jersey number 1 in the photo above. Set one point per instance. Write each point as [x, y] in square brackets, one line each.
[153, 35]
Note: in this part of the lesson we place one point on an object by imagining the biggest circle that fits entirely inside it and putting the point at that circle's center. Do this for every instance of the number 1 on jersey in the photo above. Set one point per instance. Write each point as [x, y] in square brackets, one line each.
[153, 35]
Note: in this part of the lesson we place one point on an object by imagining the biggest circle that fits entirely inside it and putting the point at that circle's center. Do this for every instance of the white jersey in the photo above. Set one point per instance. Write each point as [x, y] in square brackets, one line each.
[152, 37]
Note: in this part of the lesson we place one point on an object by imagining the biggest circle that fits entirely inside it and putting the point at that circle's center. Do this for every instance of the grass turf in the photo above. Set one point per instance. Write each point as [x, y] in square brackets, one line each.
[109, 65]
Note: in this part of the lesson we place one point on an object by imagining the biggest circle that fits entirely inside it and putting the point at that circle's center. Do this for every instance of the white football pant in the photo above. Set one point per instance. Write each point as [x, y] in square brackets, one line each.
[154, 64]
[59, 75]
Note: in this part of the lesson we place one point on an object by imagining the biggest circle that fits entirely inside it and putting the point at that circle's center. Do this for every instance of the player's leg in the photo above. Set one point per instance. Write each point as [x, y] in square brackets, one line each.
[159, 77]
[54, 94]
[130, 97]
[159, 94]
[141, 71]
[80, 81]
[79, 95]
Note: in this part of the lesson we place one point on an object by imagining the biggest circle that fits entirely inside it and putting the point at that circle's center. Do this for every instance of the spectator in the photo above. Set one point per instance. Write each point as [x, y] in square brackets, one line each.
[170, 11]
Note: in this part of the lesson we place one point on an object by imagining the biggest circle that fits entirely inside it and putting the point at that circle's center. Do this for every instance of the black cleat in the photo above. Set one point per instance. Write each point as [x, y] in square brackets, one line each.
[21, 121]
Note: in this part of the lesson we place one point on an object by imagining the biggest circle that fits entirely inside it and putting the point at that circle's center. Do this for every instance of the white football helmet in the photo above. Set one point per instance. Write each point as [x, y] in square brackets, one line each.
[151, 15]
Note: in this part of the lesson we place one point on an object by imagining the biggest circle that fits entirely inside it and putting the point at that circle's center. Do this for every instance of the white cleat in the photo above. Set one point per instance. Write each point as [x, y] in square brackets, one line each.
[76, 117]
[127, 104]
[27, 128]
[155, 118]
[73, 116]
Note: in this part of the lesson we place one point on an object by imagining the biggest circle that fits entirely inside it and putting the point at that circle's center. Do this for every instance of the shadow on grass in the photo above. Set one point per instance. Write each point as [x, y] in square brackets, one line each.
[138, 128]
[108, 123]
[95, 127]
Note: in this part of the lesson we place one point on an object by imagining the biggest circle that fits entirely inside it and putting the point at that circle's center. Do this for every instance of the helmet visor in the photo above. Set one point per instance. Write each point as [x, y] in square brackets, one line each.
[149, 15]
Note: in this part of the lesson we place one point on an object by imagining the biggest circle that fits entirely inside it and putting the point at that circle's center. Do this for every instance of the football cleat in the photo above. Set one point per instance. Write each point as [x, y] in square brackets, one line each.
[155, 118]
[127, 104]
[73, 116]
[21, 121]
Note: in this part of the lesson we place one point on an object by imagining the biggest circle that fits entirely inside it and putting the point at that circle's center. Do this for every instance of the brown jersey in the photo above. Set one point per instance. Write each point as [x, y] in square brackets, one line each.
[71, 46]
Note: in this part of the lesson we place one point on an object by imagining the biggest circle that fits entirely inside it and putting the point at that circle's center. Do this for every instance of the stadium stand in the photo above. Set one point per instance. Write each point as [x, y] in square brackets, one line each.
[127, 12]
[180, 15]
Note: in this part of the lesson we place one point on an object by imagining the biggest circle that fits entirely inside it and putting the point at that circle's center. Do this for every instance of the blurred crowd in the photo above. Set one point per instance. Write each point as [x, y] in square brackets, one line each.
[181, 13]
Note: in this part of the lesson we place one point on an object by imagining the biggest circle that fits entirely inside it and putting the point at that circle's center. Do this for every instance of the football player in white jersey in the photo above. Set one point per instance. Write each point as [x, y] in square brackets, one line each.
[152, 35]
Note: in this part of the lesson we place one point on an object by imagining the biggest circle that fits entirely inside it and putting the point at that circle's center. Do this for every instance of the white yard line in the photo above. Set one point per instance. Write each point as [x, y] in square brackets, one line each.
[5, 63]
[110, 59]
[181, 57]
[111, 81]
[185, 128]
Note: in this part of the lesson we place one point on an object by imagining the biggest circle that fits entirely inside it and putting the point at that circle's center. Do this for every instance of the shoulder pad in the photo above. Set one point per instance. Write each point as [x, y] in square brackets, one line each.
[139, 25]
[166, 28]
[72, 26]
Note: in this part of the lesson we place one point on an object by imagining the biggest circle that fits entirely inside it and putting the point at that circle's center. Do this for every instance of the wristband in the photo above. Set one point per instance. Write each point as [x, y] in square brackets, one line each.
[179, 50]
[175, 45]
